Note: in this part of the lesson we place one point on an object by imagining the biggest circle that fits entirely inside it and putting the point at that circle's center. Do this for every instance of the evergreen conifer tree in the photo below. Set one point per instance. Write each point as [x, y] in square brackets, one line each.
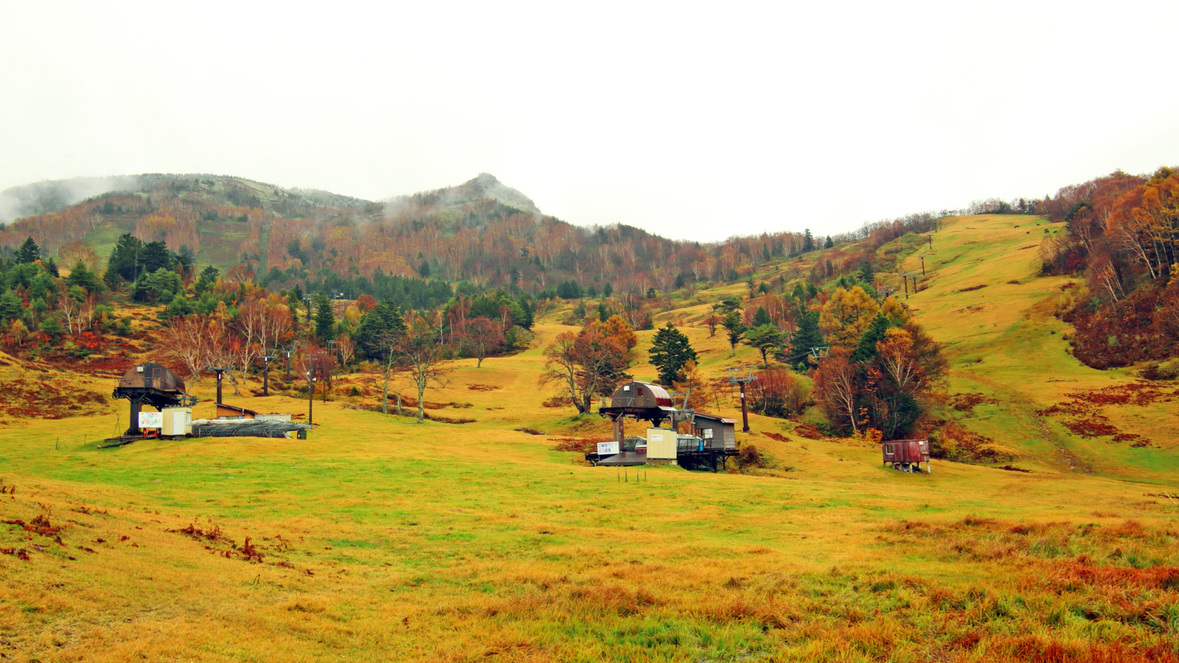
[736, 329]
[28, 252]
[207, 279]
[670, 351]
[807, 336]
[765, 338]
[866, 348]
[325, 318]
[762, 317]
[11, 306]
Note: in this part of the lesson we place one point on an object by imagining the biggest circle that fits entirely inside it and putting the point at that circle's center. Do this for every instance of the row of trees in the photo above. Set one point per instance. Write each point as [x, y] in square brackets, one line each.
[38, 305]
[263, 327]
[872, 366]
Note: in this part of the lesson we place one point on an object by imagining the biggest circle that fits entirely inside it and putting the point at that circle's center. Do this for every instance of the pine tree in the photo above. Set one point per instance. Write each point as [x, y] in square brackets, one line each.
[866, 348]
[124, 263]
[325, 318]
[867, 276]
[28, 252]
[762, 317]
[207, 279]
[807, 336]
[736, 329]
[379, 330]
[670, 351]
[81, 276]
[765, 338]
[11, 306]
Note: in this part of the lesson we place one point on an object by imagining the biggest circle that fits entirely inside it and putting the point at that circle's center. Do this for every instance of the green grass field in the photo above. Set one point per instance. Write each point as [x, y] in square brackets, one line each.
[381, 539]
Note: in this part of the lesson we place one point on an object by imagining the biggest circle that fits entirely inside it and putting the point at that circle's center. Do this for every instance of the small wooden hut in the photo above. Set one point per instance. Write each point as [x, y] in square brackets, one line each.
[719, 433]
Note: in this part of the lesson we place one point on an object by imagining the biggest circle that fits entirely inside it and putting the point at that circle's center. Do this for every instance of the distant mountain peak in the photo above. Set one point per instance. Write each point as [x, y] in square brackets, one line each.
[490, 187]
[484, 186]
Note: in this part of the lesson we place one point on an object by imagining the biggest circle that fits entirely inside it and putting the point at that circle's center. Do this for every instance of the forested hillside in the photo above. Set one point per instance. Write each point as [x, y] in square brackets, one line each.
[1124, 238]
[480, 232]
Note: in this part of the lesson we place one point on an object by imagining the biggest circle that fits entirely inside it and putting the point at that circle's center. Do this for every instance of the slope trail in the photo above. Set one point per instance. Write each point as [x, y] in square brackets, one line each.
[1027, 411]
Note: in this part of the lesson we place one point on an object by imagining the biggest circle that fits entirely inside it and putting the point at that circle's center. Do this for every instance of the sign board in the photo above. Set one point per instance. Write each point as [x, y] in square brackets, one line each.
[708, 433]
[151, 419]
[607, 448]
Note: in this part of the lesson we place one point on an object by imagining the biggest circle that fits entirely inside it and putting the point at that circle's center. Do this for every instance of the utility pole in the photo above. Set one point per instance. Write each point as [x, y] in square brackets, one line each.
[288, 351]
[734, 378]
[219, 370]
[310, 395]
[266, 374]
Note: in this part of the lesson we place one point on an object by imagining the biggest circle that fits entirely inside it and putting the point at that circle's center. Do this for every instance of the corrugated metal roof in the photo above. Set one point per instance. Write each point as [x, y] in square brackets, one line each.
[713, 417]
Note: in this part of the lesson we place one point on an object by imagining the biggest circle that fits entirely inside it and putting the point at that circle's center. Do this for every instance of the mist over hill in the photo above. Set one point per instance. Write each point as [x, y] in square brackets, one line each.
[481, 231]
[483, 187]
[54, 195]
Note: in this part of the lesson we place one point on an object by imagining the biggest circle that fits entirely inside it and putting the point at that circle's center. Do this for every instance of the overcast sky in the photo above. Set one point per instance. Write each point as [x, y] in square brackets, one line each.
[691, 120]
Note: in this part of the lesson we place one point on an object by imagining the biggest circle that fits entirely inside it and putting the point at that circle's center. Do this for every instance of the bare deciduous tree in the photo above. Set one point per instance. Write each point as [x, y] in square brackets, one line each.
[420, 350]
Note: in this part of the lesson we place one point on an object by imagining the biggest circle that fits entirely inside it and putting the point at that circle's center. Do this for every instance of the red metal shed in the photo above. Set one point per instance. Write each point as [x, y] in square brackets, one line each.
[906, 455]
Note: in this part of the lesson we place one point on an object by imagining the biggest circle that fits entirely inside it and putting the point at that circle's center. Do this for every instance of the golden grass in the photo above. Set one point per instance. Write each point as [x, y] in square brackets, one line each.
[381, 539]
[1005, 343]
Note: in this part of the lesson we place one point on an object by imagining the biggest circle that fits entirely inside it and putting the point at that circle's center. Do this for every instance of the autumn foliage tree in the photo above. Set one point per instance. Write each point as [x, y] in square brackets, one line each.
[838, 389]
[846, 316]
[589, 363]
[779, 392]
[192, 342]
[882, 380]
[482, 336]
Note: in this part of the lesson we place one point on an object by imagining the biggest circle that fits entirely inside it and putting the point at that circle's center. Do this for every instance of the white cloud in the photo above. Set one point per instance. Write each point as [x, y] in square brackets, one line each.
[691, 121]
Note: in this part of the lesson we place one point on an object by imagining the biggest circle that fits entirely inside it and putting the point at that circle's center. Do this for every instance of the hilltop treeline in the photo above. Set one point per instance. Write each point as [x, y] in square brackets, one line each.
[278, 238]
[1124, 237]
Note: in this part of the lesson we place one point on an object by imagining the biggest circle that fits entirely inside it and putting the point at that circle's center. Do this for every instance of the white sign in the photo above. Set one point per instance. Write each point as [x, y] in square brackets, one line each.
[607, 448]
[708, 433]
[151, 419]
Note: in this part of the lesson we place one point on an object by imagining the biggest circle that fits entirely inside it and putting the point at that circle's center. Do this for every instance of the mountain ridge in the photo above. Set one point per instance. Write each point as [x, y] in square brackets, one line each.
[50, 196]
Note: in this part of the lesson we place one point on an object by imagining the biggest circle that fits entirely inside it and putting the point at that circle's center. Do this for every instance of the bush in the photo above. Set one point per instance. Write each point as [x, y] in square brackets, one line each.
[1167, 370]
[750, 456]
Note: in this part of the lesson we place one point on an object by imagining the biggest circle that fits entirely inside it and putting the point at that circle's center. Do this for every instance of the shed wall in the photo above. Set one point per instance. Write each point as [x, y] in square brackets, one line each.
[661, 444]
[724, 435]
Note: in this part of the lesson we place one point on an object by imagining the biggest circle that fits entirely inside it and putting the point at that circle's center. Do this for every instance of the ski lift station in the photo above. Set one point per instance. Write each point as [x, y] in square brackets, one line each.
[153, 385]
[711, 438]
